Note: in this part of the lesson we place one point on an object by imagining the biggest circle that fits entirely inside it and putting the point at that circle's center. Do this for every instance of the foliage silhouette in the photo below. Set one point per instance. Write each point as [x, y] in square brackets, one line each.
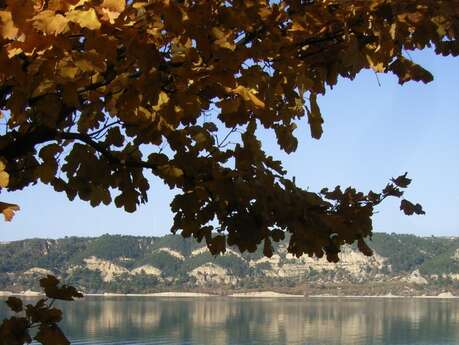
[42, 315]
[86, 84]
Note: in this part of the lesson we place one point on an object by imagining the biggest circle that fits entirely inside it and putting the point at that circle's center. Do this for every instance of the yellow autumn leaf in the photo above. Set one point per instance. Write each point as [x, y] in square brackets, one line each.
[50, 23]
[12, 51]
[297, 27]
[376, 66]
[86, 19]
[111, 9]
[7, 28]
[66, 69]
[4, 179]
[69, 72]
[142, 111]
[393, 31]
[138, 5]
[8, 210]
[117, 6]
[4, 176]
[223, 39]
[78, 4]
[114, 5]
[45, 86]
[163, 98]
[248, 95]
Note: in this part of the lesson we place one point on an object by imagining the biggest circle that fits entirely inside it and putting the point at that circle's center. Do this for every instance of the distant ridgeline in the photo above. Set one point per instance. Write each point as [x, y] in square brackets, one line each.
[402, 264]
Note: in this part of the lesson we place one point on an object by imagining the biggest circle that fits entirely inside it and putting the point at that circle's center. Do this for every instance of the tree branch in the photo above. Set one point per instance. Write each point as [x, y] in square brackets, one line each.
[102, 149]
[22, 144]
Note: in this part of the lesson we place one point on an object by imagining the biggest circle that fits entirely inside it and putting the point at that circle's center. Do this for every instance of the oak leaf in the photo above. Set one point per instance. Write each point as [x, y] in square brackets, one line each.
[15, 304]
[402, 181]
[4, 176]
[8, 210]
[8, 29]
[50, 285]
[409, 208]
[315, 117]
[14, 331]
[51, 335]
[84, 18]
[248, 95]
[111, 9]
[50, 23]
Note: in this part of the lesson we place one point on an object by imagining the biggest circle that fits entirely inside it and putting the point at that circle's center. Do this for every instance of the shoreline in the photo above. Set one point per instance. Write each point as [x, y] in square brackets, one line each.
[154, 294]
[253, 294]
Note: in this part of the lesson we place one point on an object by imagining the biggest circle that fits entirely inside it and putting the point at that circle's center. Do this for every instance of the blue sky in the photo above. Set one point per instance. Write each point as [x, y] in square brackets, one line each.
[371, 133]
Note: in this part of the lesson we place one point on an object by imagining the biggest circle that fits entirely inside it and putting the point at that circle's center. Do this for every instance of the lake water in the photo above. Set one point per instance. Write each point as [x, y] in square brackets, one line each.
[220, 320]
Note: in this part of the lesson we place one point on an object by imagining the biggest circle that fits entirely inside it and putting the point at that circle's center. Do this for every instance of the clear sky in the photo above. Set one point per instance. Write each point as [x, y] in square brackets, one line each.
[371, 133]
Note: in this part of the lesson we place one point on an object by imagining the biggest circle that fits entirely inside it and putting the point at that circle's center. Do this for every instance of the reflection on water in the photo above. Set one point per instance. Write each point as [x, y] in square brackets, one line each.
[137, 320]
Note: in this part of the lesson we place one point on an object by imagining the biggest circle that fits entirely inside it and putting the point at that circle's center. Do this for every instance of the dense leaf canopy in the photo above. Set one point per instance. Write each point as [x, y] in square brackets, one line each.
[96, 93]
[42, 315]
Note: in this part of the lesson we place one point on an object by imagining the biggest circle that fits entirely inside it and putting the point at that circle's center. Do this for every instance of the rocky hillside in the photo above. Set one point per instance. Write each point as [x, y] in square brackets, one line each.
[403, 264]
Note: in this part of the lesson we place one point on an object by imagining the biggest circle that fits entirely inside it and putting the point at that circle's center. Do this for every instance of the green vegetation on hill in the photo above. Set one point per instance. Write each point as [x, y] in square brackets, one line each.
[409, 252]
[176, 263]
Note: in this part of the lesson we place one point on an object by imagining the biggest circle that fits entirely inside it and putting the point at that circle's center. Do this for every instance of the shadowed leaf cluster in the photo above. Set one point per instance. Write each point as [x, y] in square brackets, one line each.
[41, 315]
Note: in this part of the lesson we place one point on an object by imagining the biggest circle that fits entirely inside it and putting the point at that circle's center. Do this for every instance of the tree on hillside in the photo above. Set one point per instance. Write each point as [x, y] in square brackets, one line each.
[96, 93]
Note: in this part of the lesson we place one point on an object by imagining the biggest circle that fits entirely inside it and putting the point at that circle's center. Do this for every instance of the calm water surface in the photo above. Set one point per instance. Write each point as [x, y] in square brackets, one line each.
[219, 320]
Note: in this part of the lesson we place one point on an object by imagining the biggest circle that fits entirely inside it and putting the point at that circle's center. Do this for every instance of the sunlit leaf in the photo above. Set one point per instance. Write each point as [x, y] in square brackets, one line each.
[85, 18]
[8, 210]
[50, 23]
